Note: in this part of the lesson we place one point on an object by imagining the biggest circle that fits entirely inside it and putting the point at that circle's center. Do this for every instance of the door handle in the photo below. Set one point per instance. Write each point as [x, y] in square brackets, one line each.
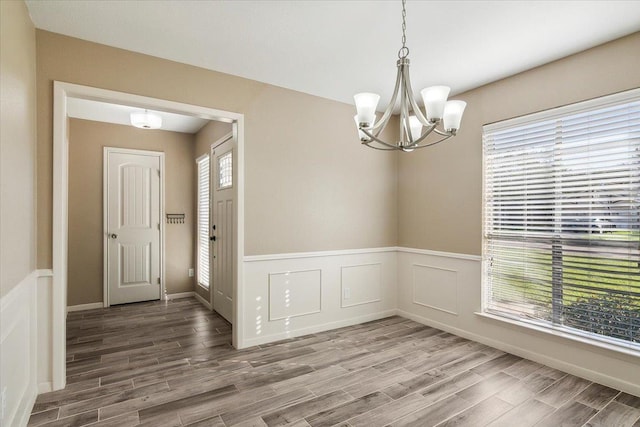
[114, 236]
[212, 238]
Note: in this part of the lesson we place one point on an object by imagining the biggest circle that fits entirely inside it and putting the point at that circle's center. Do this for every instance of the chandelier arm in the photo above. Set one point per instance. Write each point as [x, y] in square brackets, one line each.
[405, 113]
[375, 138]
[424, 136]
[414, 105]
[379, 148]
[432, 143]
[443, 133]
[378, 127]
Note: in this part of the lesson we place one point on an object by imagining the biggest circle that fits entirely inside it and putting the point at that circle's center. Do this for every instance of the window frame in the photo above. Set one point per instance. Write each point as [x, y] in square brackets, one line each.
[610, 343]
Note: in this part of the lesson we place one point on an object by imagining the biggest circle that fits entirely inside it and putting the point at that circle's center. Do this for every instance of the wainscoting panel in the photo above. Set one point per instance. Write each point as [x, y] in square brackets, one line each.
[361, 284]
[294, 293]
[18, 348]
[436, 288]
[288, 295]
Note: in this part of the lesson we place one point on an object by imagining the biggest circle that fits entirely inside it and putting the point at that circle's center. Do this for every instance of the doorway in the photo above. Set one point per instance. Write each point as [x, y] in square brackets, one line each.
[63, 93]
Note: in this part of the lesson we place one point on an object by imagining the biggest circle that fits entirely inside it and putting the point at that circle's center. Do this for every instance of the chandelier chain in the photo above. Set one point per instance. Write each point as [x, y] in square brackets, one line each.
[404, 50]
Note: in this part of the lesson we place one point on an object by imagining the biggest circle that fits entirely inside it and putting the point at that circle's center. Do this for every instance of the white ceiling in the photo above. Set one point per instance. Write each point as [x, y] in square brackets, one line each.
[334, 49]
[120, 114]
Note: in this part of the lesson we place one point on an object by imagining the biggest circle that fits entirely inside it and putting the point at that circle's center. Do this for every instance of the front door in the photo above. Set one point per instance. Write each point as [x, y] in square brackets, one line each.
[223, 227]
[132, 225]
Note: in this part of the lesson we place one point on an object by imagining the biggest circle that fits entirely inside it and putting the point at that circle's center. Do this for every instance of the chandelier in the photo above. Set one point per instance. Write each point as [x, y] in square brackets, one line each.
[414, 128]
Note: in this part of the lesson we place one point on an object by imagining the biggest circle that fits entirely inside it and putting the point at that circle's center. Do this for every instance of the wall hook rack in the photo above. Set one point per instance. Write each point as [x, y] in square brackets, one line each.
[175, 218]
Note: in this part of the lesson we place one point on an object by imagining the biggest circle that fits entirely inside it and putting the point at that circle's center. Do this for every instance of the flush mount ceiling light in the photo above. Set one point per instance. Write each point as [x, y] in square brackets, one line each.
[146, 120]
[416, 127]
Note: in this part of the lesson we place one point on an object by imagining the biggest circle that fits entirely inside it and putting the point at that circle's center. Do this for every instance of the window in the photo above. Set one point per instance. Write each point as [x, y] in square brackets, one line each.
[225, 170]
[562, 219]
[202, 266]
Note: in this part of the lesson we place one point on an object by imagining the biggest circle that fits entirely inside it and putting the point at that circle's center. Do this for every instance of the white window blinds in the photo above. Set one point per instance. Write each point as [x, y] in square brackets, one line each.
[562, 218]
[203, 222]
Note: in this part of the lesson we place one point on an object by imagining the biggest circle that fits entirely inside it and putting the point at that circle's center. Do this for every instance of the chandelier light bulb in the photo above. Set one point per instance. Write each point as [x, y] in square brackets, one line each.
[435, 98]
[366, 104]
[453, 114]
[416, 127]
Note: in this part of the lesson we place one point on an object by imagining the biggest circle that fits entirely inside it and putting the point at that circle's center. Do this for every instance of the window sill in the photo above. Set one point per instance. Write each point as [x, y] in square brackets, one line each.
[600, 343]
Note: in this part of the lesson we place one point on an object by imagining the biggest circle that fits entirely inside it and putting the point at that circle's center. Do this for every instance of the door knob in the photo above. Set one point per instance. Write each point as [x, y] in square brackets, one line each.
[114, 236]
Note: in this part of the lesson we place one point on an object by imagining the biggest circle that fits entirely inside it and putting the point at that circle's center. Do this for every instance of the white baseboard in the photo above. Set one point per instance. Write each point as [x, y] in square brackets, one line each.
[536, 357]
[179, 295]
[47, 272]
[83, 307]
[202, 301]
[24, 413]
[45, 387]
[318, 328]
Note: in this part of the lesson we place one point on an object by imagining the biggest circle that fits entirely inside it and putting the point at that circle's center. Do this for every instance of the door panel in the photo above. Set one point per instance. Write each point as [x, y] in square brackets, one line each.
[133, 227]
[223, 213]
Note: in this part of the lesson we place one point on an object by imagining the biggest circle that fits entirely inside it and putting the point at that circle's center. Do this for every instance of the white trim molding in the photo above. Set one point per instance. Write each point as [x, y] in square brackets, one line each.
[47, 272]
[84, 307]
[179, 295]
[319, 328]
[202, 301]
[439, 254]
[296, 255]
[61, 93]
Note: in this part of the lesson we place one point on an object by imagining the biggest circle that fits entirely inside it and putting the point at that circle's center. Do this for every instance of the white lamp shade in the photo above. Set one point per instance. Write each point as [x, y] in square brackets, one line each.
[453, 114]
[416, 127]
[361, 135]
[366, 104]
[146, 120]
[434, 98]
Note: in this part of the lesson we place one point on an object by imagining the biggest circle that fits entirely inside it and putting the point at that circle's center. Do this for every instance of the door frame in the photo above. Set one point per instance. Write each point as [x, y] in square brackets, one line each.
[105, 217]
[60, 231]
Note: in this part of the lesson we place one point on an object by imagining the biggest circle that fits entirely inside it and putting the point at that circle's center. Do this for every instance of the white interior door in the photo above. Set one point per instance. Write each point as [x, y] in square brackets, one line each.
[223, 226]
[132, 225]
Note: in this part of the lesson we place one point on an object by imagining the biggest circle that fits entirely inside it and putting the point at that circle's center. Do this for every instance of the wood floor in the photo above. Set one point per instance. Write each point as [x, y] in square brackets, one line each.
[171, 364]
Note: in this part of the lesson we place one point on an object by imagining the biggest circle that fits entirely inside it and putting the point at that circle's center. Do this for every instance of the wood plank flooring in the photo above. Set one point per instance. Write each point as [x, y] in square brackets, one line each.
[171, 364]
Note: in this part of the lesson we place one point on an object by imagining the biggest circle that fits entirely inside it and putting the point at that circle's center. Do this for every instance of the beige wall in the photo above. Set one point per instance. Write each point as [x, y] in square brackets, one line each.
[86, 142]
[440, 196]
[17, 144]
[209, 134]
[309, 183]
